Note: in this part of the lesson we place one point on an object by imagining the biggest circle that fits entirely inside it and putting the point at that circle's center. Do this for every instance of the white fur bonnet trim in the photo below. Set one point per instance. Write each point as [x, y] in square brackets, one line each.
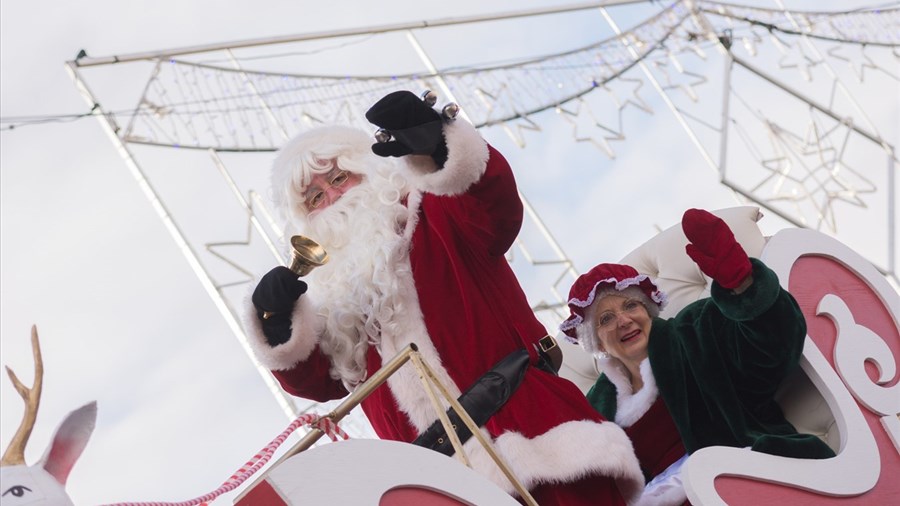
[655, 303]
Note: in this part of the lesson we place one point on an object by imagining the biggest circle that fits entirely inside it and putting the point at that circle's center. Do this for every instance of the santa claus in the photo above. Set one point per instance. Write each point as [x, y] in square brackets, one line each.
[417, 256]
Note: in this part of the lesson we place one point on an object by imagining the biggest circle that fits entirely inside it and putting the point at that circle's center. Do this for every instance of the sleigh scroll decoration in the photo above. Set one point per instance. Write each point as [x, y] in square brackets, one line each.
[850, 358]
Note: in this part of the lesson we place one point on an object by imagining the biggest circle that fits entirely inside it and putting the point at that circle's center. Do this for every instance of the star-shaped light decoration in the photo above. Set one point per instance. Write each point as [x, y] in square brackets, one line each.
[582, 119]
[612, 133]
[859, 65]
[516, 129]
[488, 100]
[685, 40]
[635, 100]
[811, 170]
[794, 57]
[215, 249]
[678, 80]
[499, 103]
[496, 101]
[310, 120]
[344, 113]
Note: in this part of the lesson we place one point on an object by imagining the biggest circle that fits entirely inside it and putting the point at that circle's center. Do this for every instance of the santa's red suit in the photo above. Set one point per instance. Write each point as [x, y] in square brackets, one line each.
[457, 299]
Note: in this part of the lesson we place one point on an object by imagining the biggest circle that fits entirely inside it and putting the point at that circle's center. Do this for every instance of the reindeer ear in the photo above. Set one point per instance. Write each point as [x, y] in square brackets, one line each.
[69, 441]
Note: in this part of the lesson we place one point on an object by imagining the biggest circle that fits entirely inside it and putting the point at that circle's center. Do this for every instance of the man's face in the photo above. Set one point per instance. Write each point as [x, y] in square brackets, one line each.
[325, 189]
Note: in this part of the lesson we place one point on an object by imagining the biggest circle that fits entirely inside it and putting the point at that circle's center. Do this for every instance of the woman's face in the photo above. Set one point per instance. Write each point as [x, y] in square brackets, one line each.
[622, 326]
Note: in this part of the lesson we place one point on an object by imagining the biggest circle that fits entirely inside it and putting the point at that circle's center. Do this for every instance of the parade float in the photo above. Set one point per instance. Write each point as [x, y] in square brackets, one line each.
[847, 392]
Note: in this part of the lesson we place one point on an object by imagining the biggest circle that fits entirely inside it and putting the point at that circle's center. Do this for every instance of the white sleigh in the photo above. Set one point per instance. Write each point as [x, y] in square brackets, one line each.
[856, 413]
[834, 397]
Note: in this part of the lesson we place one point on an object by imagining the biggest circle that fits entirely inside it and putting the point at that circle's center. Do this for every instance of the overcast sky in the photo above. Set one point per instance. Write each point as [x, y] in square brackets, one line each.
[122, 317]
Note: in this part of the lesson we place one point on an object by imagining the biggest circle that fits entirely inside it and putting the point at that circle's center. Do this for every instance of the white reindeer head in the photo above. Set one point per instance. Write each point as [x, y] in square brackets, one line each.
[45, 482]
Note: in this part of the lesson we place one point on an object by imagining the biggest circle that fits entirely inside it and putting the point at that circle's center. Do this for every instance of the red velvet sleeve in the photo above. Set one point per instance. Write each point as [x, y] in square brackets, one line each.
[310, 379]
[489, 214]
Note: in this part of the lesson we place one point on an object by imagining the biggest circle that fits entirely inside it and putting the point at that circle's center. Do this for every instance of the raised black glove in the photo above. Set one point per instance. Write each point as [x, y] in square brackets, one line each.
[274, 299]
[414, 126]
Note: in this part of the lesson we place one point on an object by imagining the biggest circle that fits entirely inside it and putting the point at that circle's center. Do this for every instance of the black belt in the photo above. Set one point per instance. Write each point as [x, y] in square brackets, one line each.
[487, 395]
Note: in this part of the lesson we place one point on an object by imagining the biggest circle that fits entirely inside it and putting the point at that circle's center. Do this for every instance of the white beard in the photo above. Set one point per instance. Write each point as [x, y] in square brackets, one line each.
[356, 291]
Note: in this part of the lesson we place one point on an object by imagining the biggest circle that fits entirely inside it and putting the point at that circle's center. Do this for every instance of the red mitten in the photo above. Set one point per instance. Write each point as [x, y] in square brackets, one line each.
[714, 249]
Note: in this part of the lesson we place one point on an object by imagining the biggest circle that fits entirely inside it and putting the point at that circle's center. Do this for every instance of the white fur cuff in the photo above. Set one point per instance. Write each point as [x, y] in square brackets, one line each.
[297, 349]
[566, 453]
[466, 161]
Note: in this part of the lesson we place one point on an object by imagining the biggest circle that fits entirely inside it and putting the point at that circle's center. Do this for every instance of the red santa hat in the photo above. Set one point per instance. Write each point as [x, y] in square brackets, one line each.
[603, 280]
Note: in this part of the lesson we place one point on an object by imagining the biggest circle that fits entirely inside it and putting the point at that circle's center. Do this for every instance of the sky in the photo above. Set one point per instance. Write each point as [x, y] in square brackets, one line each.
[122, 318]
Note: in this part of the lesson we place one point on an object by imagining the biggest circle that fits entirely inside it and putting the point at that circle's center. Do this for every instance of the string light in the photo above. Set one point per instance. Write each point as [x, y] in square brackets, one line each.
[296, 96]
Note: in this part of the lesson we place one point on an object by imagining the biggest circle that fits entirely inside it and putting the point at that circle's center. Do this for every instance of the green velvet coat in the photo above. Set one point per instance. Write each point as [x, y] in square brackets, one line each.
[717, 365]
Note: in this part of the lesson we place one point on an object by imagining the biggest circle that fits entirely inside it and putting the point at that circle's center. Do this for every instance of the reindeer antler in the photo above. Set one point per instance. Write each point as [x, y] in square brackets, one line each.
[15, 453]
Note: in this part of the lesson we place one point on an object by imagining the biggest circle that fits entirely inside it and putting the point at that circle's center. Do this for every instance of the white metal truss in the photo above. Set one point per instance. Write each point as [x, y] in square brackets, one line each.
[226, 107]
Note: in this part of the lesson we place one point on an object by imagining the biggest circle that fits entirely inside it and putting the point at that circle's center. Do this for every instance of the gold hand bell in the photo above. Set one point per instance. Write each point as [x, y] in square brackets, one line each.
[306, 255]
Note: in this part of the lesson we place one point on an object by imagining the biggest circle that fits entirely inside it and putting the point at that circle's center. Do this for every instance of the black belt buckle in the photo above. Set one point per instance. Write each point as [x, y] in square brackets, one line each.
[545, 362]
[547, 343]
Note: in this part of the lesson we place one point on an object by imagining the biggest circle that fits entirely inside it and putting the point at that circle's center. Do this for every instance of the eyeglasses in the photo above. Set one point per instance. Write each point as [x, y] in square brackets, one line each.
[608, 319]
[314, 195]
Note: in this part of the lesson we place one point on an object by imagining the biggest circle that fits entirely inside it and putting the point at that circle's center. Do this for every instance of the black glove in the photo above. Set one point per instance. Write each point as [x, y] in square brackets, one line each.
[415, 127]
[274, 297]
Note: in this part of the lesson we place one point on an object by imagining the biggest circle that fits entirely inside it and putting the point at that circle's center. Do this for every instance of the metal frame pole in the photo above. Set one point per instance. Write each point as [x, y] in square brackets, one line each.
[891, 234]
[190, 255]
[395, 27]
[799, 96]
[726, 111]
[662, 93]
[251, 215]
[831, 73]
[877, 138]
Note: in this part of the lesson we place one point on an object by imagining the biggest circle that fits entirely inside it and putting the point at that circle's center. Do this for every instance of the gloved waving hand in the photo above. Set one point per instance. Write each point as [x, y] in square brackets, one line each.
[274, 299]
[713, 248]
[415, 128]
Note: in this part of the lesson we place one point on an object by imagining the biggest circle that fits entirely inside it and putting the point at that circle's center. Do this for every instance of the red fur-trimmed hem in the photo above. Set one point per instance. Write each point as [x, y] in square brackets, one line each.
[566, 453]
